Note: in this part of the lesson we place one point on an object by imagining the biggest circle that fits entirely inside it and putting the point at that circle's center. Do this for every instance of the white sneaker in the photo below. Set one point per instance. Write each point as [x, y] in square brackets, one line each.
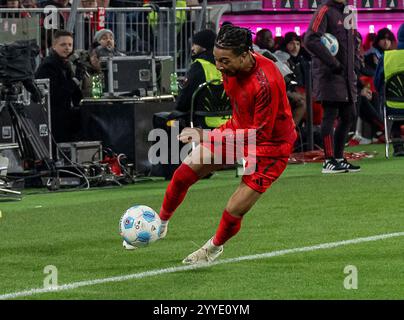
[128, 246]
[362, 140]
[208, 253]
[163, 229]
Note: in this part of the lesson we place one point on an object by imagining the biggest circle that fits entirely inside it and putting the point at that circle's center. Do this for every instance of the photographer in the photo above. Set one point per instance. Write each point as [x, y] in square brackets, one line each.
[64, 88]
[86, 66]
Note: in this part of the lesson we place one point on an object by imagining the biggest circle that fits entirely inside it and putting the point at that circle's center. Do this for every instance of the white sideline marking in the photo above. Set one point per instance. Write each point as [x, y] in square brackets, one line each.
[157, 272]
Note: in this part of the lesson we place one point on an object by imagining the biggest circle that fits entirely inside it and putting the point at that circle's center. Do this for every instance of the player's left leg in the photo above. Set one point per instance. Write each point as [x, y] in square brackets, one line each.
[347, 113]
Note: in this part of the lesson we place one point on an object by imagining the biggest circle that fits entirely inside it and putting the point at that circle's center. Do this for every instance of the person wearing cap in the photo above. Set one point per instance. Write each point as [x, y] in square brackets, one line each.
[389, 63]
[104, 41]
[202, 69]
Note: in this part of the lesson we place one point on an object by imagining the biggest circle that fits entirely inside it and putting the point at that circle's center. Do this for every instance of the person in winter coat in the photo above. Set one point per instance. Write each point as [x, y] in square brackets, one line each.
[202, 69]
[64, 88]
[334, 79]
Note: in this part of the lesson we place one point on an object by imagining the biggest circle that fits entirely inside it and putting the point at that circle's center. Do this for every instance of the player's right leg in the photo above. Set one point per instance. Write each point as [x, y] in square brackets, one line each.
[195, 166]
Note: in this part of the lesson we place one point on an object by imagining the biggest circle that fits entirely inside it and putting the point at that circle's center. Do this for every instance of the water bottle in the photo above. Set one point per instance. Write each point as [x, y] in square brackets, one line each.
[96, 87]
[173, 84]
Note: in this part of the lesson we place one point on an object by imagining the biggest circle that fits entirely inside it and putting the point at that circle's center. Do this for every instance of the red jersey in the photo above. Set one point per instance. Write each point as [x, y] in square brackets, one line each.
[259, 102]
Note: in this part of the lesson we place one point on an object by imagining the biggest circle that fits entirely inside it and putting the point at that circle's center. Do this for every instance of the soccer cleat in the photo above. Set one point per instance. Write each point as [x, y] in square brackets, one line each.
[163, 229]
[208, 253]
[127, 246]
[333, 166]
[349, 166]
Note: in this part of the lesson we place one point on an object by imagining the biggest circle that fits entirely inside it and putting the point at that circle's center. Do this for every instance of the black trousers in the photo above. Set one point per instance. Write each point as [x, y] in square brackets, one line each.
[334, 140]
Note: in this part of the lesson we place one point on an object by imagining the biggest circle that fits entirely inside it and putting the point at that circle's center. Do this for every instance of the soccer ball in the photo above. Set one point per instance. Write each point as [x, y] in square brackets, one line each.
[139, 226]
[331, 43]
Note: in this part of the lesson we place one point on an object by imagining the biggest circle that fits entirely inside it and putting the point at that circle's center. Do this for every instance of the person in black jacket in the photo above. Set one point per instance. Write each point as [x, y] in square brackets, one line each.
[64, 88]
[334, 79]
[202, 48]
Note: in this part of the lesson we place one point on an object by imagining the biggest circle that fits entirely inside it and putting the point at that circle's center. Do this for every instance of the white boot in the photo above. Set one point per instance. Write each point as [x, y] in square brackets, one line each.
[208, 253]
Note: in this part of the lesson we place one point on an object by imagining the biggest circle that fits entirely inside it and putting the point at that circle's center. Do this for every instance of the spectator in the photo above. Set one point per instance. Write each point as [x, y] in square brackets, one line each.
[296, 93]
[334, 81]
[398, 143]
[370, 38]
[106, 40]
[367, 106]
[385, 40]
[264, 40]
[64, 88]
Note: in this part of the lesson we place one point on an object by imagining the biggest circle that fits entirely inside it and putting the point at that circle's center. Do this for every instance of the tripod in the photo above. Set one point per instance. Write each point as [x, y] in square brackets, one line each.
[4, 192]
[31, 145]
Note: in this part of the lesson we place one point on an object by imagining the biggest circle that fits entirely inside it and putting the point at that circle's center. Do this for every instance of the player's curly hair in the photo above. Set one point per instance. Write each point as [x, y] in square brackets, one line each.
[235, 38]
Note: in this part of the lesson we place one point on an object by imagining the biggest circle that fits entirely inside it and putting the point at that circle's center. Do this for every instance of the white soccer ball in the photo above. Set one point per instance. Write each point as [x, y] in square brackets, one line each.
[140, 226]
[331, 43]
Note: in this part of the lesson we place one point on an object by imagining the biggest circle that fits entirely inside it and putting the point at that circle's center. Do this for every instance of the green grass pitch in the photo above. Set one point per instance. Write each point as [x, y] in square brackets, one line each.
[77, 232]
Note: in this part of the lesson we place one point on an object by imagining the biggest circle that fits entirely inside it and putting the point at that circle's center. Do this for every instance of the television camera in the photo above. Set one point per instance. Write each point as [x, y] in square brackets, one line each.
[17, 65]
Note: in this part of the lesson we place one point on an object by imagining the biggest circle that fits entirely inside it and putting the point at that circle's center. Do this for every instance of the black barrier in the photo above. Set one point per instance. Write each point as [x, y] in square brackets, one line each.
[122, 125]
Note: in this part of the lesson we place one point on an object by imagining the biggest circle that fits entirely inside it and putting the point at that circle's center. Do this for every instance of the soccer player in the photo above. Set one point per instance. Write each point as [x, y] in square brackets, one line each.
[257, 93]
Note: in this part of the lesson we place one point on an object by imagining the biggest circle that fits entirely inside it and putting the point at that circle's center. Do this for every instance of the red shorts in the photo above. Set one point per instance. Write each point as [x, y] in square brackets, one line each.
[261, 171]
[267, 170]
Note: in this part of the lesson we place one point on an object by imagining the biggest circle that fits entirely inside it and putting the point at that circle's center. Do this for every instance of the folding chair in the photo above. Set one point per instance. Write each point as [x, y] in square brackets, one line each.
[393, 104]
[210, 106]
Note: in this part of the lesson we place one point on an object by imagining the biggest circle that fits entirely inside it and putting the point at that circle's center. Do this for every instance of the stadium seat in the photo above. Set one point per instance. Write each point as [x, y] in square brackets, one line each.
[393, 105]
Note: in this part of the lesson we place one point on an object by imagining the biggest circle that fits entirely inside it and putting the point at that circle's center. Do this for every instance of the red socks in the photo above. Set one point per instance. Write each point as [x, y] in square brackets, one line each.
[183, 178]
[229, 225]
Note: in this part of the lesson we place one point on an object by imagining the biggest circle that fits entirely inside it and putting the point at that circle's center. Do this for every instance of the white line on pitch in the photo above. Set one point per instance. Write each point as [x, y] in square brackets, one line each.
[157, 272]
